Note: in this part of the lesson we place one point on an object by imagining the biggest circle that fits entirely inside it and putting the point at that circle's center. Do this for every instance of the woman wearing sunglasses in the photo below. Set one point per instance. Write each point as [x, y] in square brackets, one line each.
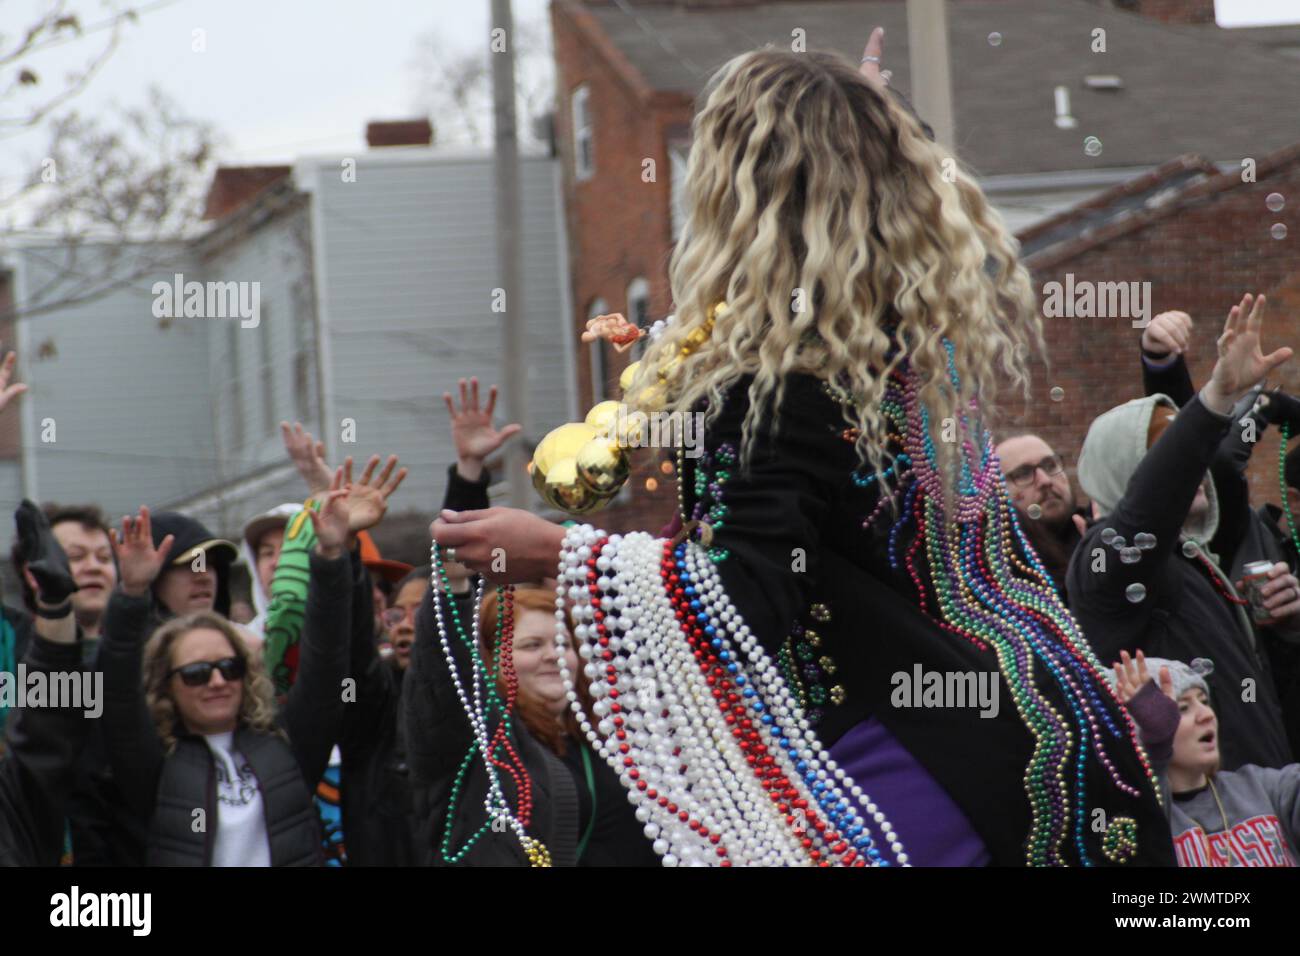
[221, 776]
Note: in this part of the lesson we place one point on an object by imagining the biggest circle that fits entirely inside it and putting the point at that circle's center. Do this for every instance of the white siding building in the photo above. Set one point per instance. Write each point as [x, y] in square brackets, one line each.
[376, 295]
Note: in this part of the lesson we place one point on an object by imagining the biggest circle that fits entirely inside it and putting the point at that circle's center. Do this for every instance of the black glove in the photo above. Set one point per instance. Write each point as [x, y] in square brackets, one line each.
[1279, 408]
[42, 555]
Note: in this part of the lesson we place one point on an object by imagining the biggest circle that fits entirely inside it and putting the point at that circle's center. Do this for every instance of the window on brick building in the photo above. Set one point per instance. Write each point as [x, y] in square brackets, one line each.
[599, 357]
[677, 172]
[638, 311]
[584, 156]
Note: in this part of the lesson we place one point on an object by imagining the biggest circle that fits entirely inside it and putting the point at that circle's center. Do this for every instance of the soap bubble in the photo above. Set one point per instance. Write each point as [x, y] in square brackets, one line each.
[1092, 146]
[1144, 540]
[1274, 202]
[1107, 535]
[1058, 394]
[1118, 542]
[1278, 231]
[1035, 511]
[1130, 555]
[995, 39]
[1189, 549]
[1135, 592]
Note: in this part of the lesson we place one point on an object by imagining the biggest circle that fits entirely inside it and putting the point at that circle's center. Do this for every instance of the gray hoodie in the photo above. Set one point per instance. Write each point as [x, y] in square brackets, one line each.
[1115, 446]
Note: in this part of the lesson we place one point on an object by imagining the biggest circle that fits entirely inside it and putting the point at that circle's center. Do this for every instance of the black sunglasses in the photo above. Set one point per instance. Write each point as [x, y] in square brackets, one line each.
[200, 672]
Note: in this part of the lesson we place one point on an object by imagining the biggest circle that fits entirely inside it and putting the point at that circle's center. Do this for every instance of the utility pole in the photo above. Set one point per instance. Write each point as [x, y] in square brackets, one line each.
[927, 40]
[514, 377]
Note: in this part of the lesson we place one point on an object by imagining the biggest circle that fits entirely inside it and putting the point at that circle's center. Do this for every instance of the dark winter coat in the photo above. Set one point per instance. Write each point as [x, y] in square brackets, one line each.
[165, 788]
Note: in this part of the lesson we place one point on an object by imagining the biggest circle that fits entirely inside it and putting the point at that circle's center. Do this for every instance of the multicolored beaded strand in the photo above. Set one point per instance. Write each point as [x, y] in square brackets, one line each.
[974, 584]
[717, 756]
[479, 707]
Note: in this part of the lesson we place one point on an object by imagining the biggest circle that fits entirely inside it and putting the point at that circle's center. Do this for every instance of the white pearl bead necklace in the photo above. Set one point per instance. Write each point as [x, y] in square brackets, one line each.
[677, 742]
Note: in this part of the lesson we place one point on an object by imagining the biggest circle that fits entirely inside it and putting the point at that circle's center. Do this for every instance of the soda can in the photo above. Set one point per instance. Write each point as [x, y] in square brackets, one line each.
[1253, 577]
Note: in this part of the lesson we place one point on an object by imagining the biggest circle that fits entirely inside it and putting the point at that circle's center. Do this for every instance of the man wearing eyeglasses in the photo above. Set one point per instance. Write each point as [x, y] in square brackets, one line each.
[1040, 489]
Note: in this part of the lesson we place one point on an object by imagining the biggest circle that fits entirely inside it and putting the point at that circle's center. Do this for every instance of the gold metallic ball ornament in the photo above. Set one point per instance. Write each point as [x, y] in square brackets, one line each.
[604, 417]
[603, 466]
[567, 492]
[625, 379]
[562, 442]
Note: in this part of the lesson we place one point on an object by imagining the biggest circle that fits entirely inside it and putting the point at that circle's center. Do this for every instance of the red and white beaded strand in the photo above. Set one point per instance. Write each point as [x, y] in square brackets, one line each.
[659, 722]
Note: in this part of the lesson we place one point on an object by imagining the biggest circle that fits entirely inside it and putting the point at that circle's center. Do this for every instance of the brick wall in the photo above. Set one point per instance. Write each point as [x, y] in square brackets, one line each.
[619, 225]
[1199, 259]
[1176, 11]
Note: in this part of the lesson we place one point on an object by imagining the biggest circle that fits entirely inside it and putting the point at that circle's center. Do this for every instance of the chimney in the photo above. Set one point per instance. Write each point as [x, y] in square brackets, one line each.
[399, 133]
[235, 186]
[1172, 11]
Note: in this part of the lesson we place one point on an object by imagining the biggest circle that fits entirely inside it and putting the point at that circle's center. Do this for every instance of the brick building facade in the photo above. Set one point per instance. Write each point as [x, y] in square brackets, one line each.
[1201, 245]
[626, 80]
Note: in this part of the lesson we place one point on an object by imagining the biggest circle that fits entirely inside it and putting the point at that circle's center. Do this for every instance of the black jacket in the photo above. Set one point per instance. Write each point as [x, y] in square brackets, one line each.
[439, 736]
[375, 791]
[1247, 534]
[37, 769]
[164, 789]
[1182, 615]
[799, 561]
[616, 836]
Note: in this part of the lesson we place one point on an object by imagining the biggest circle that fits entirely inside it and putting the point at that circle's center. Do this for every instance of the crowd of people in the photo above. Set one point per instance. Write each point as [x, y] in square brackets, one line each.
[723, 692]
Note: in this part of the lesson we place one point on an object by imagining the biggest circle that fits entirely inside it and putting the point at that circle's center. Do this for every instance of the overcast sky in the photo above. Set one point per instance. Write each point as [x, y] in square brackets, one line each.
[283, 78]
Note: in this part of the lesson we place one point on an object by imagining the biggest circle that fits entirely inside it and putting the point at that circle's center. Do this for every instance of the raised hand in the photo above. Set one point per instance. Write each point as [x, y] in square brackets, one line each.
[367, 498]
[1131, 675]
[1241, 361]
[308, 456]
[472, 429]
[870, 67]
[138, 561]
[1169, 333]
[9, 392]
[331, 522]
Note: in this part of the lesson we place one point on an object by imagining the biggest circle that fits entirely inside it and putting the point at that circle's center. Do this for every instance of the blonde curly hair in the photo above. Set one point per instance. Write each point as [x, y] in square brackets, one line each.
[806, 181]
[257, 703]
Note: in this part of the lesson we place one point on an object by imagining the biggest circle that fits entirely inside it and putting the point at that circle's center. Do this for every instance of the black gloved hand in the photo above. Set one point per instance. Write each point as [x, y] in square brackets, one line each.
[42, 555]
[1278, 408]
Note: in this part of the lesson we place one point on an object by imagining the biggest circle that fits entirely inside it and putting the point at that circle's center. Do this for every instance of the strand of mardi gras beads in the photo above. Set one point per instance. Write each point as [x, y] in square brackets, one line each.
[479, 712]
[970, 586]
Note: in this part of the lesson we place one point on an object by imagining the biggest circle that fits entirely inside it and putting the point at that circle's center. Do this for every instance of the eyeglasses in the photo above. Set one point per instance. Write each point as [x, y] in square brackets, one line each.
[1024, 475]
[200, 672]
[396, 615]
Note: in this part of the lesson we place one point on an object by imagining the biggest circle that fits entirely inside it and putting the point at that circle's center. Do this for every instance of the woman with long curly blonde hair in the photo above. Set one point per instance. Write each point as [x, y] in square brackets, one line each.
[843, 651]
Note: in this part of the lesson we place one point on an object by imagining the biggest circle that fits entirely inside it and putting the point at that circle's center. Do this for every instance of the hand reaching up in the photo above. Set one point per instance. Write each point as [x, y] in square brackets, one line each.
[139, 562]
[308, 456]
[472, 429]
[1241, 362]
[331, 522]
[367, 498]
[9, 392]
[1131, 676]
